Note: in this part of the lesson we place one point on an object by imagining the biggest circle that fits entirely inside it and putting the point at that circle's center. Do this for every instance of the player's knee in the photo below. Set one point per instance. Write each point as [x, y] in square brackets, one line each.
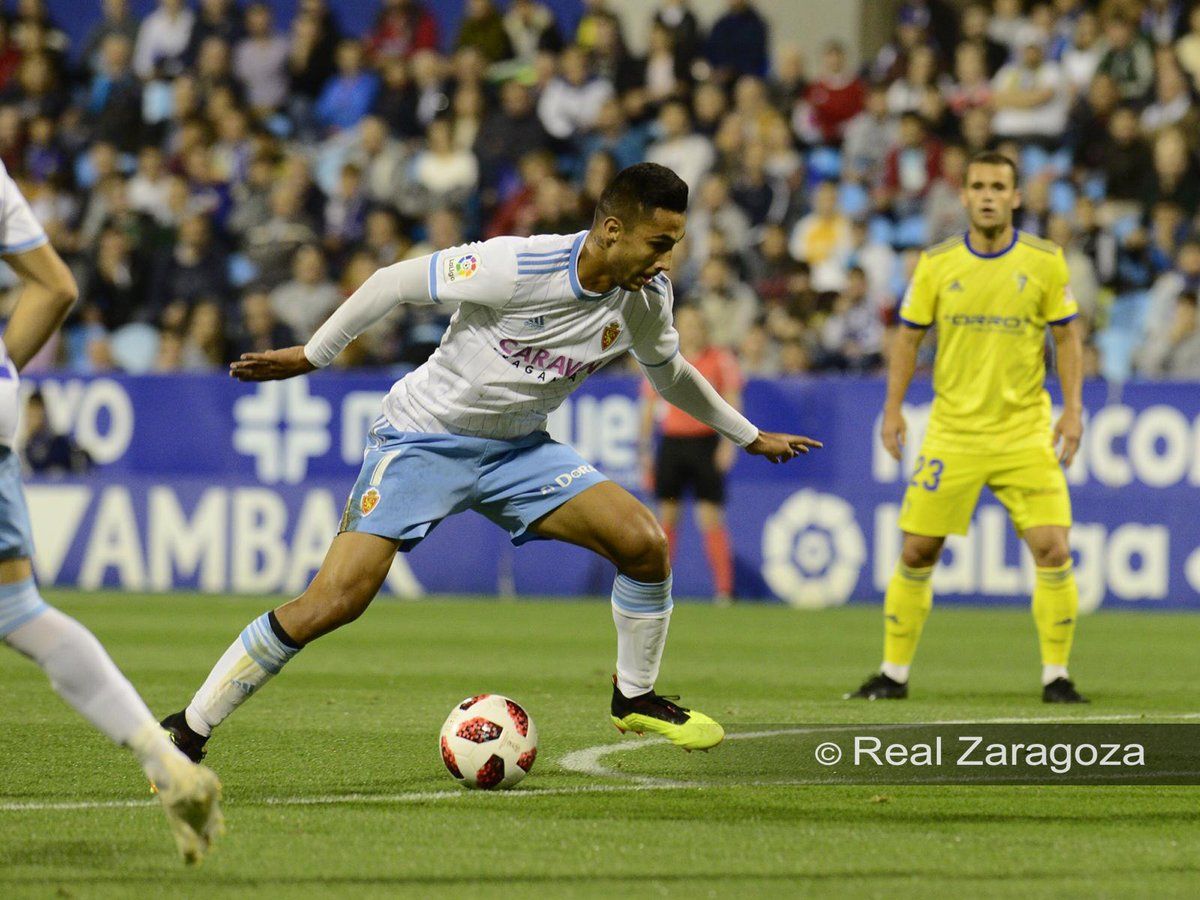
[1051, 554]
[643, 552]
[920, 554]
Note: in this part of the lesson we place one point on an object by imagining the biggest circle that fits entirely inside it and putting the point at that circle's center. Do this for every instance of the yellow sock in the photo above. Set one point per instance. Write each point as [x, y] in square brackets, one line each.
[906, 605]
[1055, 609]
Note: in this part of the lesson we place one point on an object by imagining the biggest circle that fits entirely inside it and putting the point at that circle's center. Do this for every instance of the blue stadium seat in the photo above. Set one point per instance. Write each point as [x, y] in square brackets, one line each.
[824, 164]
[1061, 161]
[1033, 161]
[135, 347]
[1125, 226]
[912, 232]
[880, 231]
[1119, 341]
[853, 199]
[1062, 198]
[241, 270]
[1095, 188]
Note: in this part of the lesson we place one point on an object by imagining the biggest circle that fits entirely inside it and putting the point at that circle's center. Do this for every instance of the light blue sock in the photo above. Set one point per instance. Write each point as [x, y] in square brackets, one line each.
[641, 612]
[19, 602]
[250, 662]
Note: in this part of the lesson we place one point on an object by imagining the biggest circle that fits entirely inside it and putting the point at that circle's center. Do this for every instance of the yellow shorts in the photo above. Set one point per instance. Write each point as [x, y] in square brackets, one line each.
[944, 490]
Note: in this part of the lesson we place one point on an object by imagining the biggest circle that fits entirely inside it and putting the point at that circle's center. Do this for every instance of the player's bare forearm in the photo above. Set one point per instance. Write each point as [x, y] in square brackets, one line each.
[781, 447]
[1068, 340]
[271, 365]
[902, 364]
[1068, 430]
[46, 299]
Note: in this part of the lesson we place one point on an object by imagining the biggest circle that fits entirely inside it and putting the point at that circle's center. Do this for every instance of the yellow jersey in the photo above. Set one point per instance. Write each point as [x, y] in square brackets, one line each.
[991, 313]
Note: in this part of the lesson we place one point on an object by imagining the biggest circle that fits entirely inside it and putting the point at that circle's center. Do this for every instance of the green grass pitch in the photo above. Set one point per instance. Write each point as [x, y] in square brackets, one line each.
[334, 785]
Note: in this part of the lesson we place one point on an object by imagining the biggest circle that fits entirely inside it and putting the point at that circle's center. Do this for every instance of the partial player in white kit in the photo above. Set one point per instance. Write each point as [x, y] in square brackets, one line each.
[535, 317]
[78, 668]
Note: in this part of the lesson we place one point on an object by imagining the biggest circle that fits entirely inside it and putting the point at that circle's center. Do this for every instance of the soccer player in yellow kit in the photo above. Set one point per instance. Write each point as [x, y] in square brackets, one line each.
[991, 293]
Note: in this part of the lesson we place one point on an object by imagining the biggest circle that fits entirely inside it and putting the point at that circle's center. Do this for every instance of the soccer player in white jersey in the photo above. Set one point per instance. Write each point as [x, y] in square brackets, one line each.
[77, 666]
[533, 318]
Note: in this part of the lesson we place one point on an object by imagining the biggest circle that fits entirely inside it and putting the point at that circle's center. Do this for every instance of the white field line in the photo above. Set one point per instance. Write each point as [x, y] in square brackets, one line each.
[584, 762]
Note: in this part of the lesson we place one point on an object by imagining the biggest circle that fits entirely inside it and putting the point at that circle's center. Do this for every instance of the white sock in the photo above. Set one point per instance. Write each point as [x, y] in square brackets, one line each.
[895, 672]
[1050, 673]
[641, 612]
[250, 662]
[81, 672]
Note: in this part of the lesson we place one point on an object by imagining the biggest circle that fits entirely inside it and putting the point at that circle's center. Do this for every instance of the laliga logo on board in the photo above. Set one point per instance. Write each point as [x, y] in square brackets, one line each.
[282, 426]
[813, 550]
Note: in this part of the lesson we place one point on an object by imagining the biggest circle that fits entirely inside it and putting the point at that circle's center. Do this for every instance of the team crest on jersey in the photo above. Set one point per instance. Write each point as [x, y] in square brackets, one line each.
[460, 268]
[609, 335]
[370, 499]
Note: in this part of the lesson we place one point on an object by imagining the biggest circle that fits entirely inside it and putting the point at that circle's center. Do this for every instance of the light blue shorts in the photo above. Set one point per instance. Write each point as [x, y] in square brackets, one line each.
[411, 480]
[16, 537]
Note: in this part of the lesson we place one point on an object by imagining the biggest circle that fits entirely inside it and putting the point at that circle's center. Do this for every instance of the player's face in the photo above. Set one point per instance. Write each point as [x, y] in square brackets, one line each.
[644, 249]
[990, 196]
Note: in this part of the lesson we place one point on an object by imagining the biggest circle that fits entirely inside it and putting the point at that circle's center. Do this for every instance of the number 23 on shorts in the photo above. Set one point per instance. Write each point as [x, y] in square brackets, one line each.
[932, 469]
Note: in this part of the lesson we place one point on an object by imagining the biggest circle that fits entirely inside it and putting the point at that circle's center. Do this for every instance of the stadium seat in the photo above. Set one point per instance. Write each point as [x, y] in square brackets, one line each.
[824, 164]
[1033, 161]
[881, 231]
[912, 231]
[853, 199]
[241, 270]
[135, 347]
[1062, 198]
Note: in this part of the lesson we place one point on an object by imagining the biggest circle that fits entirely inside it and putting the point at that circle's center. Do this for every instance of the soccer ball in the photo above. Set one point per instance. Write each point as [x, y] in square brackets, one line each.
[489, 742]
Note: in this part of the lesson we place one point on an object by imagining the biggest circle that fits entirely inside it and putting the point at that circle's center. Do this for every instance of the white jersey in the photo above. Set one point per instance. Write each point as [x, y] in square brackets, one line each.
[524, 336]
[19, 231]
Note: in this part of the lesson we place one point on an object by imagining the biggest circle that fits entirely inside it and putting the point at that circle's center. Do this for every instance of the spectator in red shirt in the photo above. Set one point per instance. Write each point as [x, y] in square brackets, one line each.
[836, 97]
[691, 455]
[402, 28]
[912, 167]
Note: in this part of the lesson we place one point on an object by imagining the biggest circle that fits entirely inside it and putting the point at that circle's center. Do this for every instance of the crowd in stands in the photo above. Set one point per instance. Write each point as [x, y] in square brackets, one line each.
[220, 181]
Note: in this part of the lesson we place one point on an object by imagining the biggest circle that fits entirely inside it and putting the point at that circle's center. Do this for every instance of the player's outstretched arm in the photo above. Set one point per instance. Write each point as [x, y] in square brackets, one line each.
[271, 365]
[678, 382]
[781, 447]
[49, 293]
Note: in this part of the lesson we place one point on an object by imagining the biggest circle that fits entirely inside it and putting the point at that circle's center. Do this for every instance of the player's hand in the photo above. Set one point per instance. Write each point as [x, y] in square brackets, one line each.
[781, 447]
[1068, 432]
[272, 365]
[893, 431]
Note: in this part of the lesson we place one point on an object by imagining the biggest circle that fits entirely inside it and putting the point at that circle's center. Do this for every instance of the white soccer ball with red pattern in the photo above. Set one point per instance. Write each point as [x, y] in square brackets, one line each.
[489, 742]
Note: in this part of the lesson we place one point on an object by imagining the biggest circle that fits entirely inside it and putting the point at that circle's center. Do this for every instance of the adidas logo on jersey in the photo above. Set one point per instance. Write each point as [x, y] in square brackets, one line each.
[956, 285]
[535, 323]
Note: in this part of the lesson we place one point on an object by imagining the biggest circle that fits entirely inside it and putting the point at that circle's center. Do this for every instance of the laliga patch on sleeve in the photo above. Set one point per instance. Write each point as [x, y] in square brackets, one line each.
[460, 268]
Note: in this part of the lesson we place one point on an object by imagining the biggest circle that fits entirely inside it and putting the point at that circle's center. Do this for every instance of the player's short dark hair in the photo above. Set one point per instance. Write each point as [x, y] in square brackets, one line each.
[642, 188]
[992, 158]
